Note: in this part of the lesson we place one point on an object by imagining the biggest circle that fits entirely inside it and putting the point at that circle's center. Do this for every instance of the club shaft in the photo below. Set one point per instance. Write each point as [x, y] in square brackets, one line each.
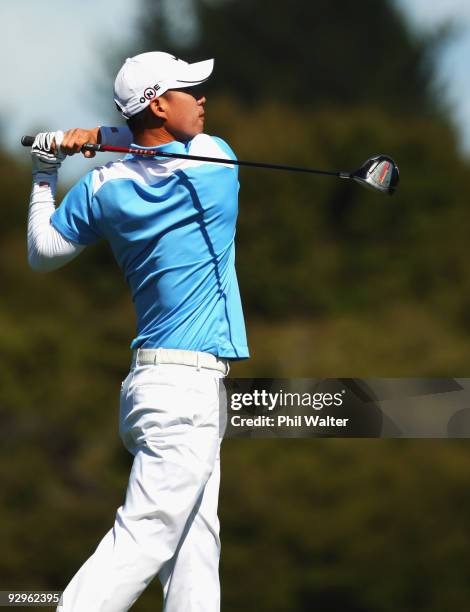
[217, 160]
[27, 141]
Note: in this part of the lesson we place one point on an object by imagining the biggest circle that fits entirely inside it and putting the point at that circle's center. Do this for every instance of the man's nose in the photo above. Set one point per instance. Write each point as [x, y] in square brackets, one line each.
[202, 100]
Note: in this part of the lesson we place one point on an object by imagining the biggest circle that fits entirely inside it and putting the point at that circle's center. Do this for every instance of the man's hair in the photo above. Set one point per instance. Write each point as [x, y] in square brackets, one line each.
[139, 121]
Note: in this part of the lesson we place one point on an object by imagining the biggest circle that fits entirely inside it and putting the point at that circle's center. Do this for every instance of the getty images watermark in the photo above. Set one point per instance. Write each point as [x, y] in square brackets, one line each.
[345, 407]
[265, 400]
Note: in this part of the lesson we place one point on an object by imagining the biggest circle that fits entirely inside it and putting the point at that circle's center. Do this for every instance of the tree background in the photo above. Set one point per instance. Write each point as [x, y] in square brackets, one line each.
[336, 281]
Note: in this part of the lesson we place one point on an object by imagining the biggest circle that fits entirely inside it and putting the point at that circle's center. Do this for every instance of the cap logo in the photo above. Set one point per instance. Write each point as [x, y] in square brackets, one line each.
[149, 93]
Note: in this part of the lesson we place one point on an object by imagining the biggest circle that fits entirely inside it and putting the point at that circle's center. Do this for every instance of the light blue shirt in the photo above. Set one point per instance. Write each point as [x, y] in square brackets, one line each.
[171, 225]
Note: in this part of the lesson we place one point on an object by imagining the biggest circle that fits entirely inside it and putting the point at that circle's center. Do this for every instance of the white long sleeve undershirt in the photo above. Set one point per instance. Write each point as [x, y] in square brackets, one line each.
[47, 248]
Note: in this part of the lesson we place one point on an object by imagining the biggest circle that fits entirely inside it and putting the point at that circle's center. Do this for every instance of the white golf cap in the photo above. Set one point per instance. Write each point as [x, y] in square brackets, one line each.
[147, 75]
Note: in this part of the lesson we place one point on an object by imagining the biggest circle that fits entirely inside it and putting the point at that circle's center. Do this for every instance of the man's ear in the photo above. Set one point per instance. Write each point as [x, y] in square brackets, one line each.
[158, 107]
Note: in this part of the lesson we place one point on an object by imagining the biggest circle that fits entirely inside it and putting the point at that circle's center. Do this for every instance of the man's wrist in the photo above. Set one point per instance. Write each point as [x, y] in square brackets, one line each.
[43, 178]
[115, 136]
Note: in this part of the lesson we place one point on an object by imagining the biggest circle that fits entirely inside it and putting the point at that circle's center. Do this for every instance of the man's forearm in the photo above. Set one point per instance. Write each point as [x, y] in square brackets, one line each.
[47, 248]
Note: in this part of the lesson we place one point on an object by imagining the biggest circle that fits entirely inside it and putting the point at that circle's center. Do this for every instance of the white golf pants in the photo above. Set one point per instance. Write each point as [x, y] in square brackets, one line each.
[168, 524]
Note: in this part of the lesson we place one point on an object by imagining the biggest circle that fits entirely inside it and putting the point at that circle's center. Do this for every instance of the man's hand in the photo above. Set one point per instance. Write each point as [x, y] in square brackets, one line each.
[43, 155]
[74, 139]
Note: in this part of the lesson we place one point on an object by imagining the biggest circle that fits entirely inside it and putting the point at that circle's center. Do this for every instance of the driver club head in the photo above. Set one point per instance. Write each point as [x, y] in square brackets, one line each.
[378, 173]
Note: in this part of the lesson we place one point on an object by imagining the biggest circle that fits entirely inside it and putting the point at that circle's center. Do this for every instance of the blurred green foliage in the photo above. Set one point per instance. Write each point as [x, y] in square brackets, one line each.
[338, 248]
[336, 281]
[306, 54]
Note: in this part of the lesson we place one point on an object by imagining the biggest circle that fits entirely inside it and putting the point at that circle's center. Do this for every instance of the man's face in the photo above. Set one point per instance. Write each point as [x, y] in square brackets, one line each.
[184, 112]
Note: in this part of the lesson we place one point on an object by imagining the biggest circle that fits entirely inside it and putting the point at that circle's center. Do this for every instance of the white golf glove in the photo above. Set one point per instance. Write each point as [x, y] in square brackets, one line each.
[43, 159]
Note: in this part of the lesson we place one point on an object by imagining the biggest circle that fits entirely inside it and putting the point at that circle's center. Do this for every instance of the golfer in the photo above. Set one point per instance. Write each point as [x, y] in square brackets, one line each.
[171, 226]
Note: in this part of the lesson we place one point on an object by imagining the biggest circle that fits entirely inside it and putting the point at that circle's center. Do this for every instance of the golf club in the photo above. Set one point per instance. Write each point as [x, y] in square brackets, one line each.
[378, 173]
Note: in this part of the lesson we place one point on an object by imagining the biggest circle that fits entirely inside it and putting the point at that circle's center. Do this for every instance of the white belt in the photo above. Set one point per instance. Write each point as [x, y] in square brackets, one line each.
[179, 357]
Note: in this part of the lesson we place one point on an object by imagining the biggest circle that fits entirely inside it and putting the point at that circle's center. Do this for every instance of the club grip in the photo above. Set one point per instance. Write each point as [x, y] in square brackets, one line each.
[27, 141]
